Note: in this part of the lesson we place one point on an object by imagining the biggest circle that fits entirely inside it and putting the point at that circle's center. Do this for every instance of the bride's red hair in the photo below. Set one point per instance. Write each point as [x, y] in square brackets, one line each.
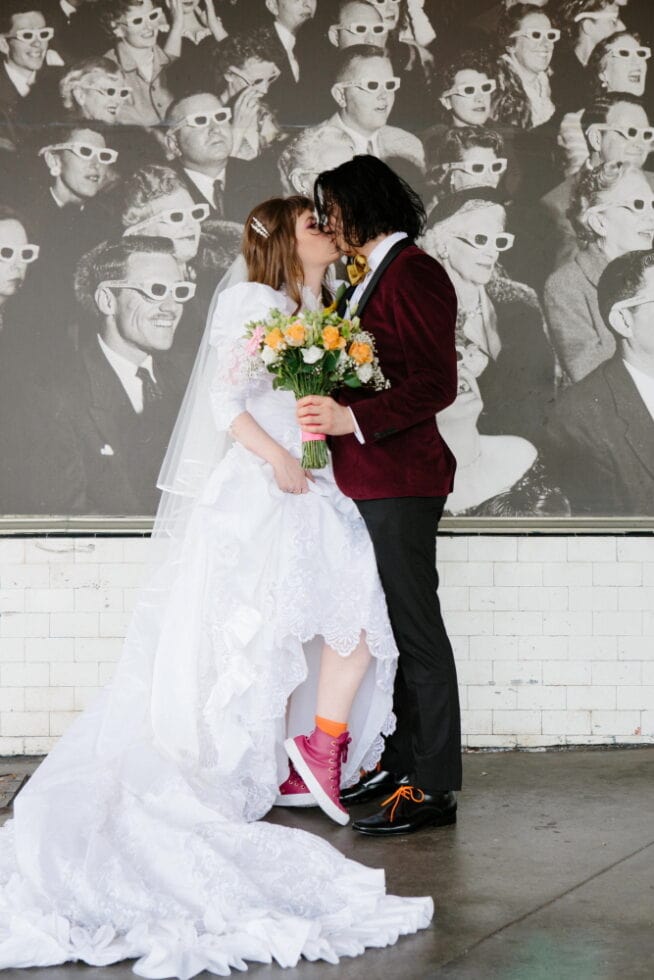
[271, 252]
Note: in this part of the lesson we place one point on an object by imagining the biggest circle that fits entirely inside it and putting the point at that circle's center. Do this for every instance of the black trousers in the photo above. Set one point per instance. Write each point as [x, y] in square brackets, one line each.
[427, 742]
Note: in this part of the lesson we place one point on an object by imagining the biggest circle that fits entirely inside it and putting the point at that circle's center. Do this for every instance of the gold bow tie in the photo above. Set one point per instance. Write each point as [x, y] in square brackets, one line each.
[357, 269]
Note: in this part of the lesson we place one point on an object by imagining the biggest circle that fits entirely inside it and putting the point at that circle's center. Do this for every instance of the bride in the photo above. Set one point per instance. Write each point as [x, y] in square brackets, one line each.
[138, 836]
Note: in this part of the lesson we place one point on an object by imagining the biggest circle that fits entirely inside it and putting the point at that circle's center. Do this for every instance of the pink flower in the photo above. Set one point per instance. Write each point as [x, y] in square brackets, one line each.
[254, 342]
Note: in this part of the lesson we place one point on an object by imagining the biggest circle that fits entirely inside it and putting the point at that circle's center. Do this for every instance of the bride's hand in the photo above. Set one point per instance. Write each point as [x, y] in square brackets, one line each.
[290, 476]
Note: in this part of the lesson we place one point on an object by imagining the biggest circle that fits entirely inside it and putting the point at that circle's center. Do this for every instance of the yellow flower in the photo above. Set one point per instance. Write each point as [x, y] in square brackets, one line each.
[331, 337]
[295, 334]
[360, 352]
[274, 339]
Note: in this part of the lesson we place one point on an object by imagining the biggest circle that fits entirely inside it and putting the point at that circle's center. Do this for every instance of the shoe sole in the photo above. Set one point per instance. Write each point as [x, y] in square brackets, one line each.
[444, 821]
[298, 799]
[321, 798]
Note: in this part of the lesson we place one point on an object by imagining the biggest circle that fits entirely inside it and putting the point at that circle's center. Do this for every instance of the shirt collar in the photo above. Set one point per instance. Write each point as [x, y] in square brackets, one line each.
[640, 377]
[360, 140]
[122, 53]
[285, 36]
[22, 82]
[204, 183]
[123, 367]
[381, 250]
[67, 8]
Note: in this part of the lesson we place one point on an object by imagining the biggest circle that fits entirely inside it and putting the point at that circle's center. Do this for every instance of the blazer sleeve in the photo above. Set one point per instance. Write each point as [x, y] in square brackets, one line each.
[423, 312]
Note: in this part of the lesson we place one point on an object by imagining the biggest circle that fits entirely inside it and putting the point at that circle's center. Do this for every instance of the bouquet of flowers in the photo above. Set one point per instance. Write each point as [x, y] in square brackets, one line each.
[312, 353]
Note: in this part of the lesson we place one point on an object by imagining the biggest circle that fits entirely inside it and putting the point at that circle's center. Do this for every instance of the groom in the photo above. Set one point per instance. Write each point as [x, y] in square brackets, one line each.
[390, 458]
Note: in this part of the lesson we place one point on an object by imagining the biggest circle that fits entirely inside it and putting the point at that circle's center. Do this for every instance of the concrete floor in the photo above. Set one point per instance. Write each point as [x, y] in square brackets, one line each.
[548, 875]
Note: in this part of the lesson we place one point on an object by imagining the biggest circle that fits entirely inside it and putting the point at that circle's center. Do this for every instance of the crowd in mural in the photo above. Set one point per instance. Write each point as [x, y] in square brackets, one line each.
[135, 139]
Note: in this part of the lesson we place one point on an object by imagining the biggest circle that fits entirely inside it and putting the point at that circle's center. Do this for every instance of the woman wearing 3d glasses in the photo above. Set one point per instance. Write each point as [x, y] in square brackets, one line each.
[612, 211]
[618, 64]
[523, 95]
[468, 157]
[134, 28]
[502, 318]
[96, 89]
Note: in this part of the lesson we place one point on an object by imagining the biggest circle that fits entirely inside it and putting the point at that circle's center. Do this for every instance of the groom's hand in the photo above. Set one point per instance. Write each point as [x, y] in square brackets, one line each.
[323, 416]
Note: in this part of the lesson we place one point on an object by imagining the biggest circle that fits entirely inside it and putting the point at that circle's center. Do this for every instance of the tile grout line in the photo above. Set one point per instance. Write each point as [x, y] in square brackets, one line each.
[544, 905]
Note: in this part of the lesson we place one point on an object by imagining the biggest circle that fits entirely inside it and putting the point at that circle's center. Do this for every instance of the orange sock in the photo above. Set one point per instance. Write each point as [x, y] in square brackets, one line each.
[333, 728]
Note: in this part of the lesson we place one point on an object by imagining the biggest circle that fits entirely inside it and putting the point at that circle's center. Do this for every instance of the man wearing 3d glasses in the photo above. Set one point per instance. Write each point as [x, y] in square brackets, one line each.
[105, 422]
[24, 40]
[199, 142]
[364, 91]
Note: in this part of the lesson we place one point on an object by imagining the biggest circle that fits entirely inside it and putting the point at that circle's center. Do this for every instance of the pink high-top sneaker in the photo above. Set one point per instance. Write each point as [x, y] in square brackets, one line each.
[317, 759]
[293, 791]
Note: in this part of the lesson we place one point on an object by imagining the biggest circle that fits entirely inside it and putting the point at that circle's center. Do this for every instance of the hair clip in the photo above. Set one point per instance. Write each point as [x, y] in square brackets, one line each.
[260, 228]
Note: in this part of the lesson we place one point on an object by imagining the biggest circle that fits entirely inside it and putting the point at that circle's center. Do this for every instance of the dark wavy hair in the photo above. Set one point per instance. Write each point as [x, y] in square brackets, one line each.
[9, 8]
[622, 279]
[470, 60]
[511, 19]
[109, 12]
[372, 199]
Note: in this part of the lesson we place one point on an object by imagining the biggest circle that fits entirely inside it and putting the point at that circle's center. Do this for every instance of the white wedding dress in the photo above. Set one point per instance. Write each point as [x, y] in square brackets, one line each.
[138, 837]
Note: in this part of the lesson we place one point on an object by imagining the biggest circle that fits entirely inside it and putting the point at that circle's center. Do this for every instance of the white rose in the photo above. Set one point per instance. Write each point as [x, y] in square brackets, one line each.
[269, 356]
[312, 354]
[364, 373]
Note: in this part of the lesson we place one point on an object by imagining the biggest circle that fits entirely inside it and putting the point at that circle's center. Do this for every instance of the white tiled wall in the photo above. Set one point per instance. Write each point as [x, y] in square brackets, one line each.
[554, 636]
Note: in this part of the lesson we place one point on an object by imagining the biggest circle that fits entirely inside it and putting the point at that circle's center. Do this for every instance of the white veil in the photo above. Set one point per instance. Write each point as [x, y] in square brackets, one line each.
[195, 446]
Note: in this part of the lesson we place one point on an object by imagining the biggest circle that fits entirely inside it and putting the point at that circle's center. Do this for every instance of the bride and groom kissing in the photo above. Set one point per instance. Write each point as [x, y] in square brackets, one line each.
[287, 601]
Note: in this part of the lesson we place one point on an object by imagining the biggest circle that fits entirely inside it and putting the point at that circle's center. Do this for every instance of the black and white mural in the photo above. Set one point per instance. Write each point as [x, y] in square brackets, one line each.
[136, 137]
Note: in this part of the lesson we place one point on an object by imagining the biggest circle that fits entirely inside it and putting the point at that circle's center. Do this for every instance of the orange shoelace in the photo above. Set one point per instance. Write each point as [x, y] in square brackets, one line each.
[403, 793]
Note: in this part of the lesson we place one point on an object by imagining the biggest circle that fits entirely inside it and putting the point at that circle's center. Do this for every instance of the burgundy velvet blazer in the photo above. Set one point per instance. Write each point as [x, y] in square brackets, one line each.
[411, 311]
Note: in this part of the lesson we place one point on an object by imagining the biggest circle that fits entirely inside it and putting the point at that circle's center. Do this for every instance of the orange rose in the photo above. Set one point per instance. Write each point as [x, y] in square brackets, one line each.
[331, 337]
[295, 334]
[274, 339]
[360, 353]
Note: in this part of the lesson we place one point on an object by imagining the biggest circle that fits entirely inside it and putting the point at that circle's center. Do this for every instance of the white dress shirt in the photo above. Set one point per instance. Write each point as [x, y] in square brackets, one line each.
[288, 41]
[362, 143]
[205, 184]
[21, 82]
[126, 371]
[645, 384]
[67, 9]
[378, 253]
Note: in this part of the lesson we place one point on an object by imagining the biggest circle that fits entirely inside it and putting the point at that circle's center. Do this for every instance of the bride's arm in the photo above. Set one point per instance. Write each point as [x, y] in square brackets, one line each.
[289, 475]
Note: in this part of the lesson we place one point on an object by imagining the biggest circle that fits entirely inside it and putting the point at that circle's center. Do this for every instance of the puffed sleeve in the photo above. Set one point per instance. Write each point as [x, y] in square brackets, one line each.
[234, 379]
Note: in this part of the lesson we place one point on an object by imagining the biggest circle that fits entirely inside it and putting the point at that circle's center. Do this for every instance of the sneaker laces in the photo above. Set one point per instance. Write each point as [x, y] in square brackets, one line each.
[339, 757]
[403, 793]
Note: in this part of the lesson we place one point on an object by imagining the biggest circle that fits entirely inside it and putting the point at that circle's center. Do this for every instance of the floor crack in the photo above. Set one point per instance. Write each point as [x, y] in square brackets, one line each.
[551, 901]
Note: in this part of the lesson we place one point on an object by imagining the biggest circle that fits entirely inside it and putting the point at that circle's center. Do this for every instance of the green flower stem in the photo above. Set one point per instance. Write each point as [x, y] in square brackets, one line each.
[314, 455]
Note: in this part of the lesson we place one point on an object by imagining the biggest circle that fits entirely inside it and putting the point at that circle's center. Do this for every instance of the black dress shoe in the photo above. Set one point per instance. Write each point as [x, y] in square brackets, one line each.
[372, 786]
[409, 810]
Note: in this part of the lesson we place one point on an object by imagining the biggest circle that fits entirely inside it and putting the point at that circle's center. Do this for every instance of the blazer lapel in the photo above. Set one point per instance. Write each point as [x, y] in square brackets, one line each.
[391, 255]
[630, 407]
[109, 404]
